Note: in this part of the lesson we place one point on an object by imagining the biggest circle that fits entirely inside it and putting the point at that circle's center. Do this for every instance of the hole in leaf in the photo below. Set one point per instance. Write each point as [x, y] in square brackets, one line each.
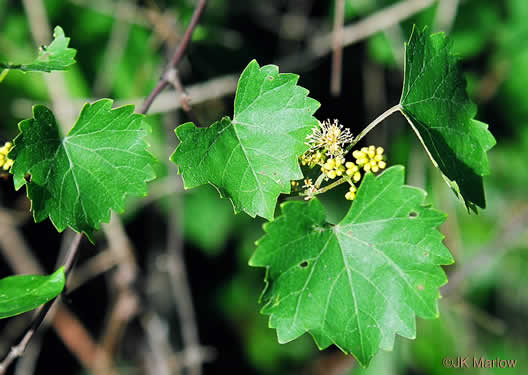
[27, 177]
[413, 214]
[317, 228]
[271, 78]
[304, 264]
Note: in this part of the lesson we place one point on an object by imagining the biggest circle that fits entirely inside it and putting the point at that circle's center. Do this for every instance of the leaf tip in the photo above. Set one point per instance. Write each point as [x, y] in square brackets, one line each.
[58, 32]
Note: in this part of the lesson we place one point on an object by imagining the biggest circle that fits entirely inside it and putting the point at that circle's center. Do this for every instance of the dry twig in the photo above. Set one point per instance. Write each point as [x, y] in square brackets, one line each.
[337, 58]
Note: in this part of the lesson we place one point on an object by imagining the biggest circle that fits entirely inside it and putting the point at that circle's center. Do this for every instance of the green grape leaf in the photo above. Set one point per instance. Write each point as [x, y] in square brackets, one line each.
[76, 180]
[358, 283]
[56, 56]
[251, 158]
[436, 105]
[19, 294]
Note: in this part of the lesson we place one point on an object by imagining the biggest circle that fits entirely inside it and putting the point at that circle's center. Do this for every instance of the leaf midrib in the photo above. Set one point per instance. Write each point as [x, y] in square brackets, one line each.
[390, 261]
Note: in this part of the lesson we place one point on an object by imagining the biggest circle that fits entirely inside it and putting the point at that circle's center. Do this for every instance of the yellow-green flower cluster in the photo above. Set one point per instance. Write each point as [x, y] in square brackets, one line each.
[5, 162]
[370, 158]
[351, 193]
[353, 170]
[328, 148]
[312, 160]
[334, 167]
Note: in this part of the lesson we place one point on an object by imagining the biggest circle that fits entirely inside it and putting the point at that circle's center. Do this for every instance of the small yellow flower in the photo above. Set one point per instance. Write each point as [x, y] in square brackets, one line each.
[294, 186]
[351, 168]
[330, 164]
[334, 167]
[312, 159]
[351, 193]
[5, 162]
[310, 188]
[308, 184]
[370, 158]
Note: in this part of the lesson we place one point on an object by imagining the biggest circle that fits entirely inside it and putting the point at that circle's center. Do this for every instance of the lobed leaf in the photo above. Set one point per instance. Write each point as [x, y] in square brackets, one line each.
[76, 180]
[251, 158]
[358, 283]
[56, 56]
[19, 294]
[436, 105]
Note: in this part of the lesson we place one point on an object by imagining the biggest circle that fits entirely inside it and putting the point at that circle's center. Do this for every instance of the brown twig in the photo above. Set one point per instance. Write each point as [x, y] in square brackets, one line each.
[176, 263]
[180, 286]
[127, 301]
[337, 47]
[91, 268]
[370, 25]
[167, 101]
[40, 314]
[176, 58]
[17, 350]
[40, 30]
[445, 15]
[21, 260]
[157, 334]
[173, 77]
[14, 248]
[320, 45]
[40, 26]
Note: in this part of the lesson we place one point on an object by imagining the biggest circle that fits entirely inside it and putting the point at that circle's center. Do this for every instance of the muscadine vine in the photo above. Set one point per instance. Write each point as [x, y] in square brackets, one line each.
[354, 284]
[357, 283]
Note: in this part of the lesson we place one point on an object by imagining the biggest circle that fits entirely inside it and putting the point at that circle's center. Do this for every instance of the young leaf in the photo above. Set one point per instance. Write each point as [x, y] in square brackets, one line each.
[56, 56]
[358, 283]
[19, 294]
[76, 180]
[251, 158]
[436, 105]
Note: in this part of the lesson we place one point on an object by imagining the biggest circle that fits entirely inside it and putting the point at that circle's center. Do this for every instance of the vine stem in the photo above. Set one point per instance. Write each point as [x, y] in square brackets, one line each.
[372, 125]
[333, 185]
[18, 350]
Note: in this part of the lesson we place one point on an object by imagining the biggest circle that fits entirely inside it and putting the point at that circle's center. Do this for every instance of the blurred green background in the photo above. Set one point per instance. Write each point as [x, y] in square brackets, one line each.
[122, 50]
